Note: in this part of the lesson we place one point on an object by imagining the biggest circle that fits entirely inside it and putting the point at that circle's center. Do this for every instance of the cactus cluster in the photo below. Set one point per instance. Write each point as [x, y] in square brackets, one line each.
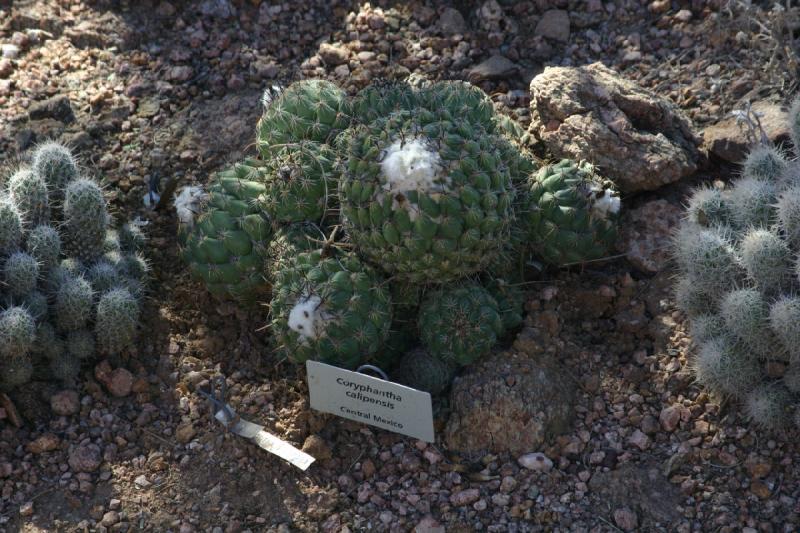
[399, 218]
[737, 252]
[70, 286]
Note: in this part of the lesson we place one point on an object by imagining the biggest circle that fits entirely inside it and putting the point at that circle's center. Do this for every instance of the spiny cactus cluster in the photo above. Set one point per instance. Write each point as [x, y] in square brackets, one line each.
[737, 251]
[404, 215]
[70, 286]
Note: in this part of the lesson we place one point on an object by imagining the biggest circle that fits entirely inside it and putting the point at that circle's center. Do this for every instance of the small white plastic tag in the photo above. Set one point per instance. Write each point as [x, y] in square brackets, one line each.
[265, 440]
[370, 400]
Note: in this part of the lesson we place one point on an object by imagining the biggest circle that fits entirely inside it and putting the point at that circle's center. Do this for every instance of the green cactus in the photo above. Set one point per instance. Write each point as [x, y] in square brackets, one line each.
[111, 242]
[765, 162]
[420, 370]
[308, 110]
[753, 202]
[705, 327]
[20, 273]
[36, 304]
[788, 215]
[56, 165]
[226, 247]
[28, 191]
[287, 242]
[425, 197]
[510, 301]
[382, 98]
[300, 183]
[17, 333]
[103, 276]
[572, 213]
[459, 323]
[44, 244]
[784, 317]
[85, 220]
[710, 207]
[117, 320]
[131, 237]
[73, 304]
[10, 226]
[47, 344]
[329, 307]
[727, 367]
[767, 259]
[80, 344]
[767, 405]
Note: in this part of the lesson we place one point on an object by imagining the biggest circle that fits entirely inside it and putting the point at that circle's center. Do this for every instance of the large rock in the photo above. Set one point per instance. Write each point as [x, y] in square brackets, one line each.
[730, 140]
[637, 138]
[509, 403]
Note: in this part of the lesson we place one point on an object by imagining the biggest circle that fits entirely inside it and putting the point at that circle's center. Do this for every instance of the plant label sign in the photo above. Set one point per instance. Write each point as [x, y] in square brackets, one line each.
[370, 400]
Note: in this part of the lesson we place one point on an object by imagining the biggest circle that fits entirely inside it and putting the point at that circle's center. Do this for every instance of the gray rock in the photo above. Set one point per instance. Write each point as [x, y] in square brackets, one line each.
[643, 488]
[509, 403]
[635, 137]
[729, 140]
[85, 458]
[496, 67]
[57, 107]
[554, 25]
[333, 54]
[451, 21]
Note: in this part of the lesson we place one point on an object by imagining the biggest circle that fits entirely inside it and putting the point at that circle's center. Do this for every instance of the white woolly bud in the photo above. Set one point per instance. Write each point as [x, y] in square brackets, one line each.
[187, 203]
[306, 317]
[606, 204]
[410, 165]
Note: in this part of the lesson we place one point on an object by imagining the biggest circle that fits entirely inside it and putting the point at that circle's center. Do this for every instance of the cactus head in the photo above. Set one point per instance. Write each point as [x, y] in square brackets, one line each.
[116, 322]
[767, 260]
[131, 237]
[709, 207]
[767, 405]
[753, 202]
[420, 370]
[44, 244]
[746, 316]
[48, 344]
[20, 273]
[784, 317]
[56, 165]
[765, 162]
[705, 327]
[708, 258]
[724, 365]
[36, 304]
[103, 276]
[10, 226]
[85, 220]
[17, 333]
[73, 304]
[28, 191]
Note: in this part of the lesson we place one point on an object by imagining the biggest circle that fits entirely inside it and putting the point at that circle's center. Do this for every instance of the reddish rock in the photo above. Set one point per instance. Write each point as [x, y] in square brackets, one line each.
[85, 458]
[465, 497]
[65, 403]
[670, 417]
[730, 140]
[46, 443]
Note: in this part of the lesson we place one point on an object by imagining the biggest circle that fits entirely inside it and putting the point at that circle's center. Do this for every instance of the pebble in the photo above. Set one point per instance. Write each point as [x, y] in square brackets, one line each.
[316, 447]
[65, 403]
[670, 417]
[554, 24]
[625, 519]
[333, 54]
[142, 482]
[85, 458]
[465, 497]
[120, 382]
[26, 509]
[640, 440]
[45, 443]
[536, 461]
[10, 51]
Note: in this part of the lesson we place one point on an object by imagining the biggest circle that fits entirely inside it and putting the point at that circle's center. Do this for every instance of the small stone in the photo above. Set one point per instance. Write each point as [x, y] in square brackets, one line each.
[465, 497]
[120, 382]
[536, 461]
[451, 21]
[728, 139]
[410, 462]
[46, 443]
[57, 107]
[235, 82]
[684, 15]
[646, 234]
[10, 51]
[428, 525]
[65, 403]
[495, 68]
[758, 468]
[85, 458]
[114, 504]
[640, 440]
[368, 468]
[342, 71]
[6, 68]
[760, 489]
[670, 417]
[110, 518]
[333, 54]
[554, 24]
[185, 432]
[142, 482]
[316, 447]
[26, 509]
[180, 73]
[626, 519]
